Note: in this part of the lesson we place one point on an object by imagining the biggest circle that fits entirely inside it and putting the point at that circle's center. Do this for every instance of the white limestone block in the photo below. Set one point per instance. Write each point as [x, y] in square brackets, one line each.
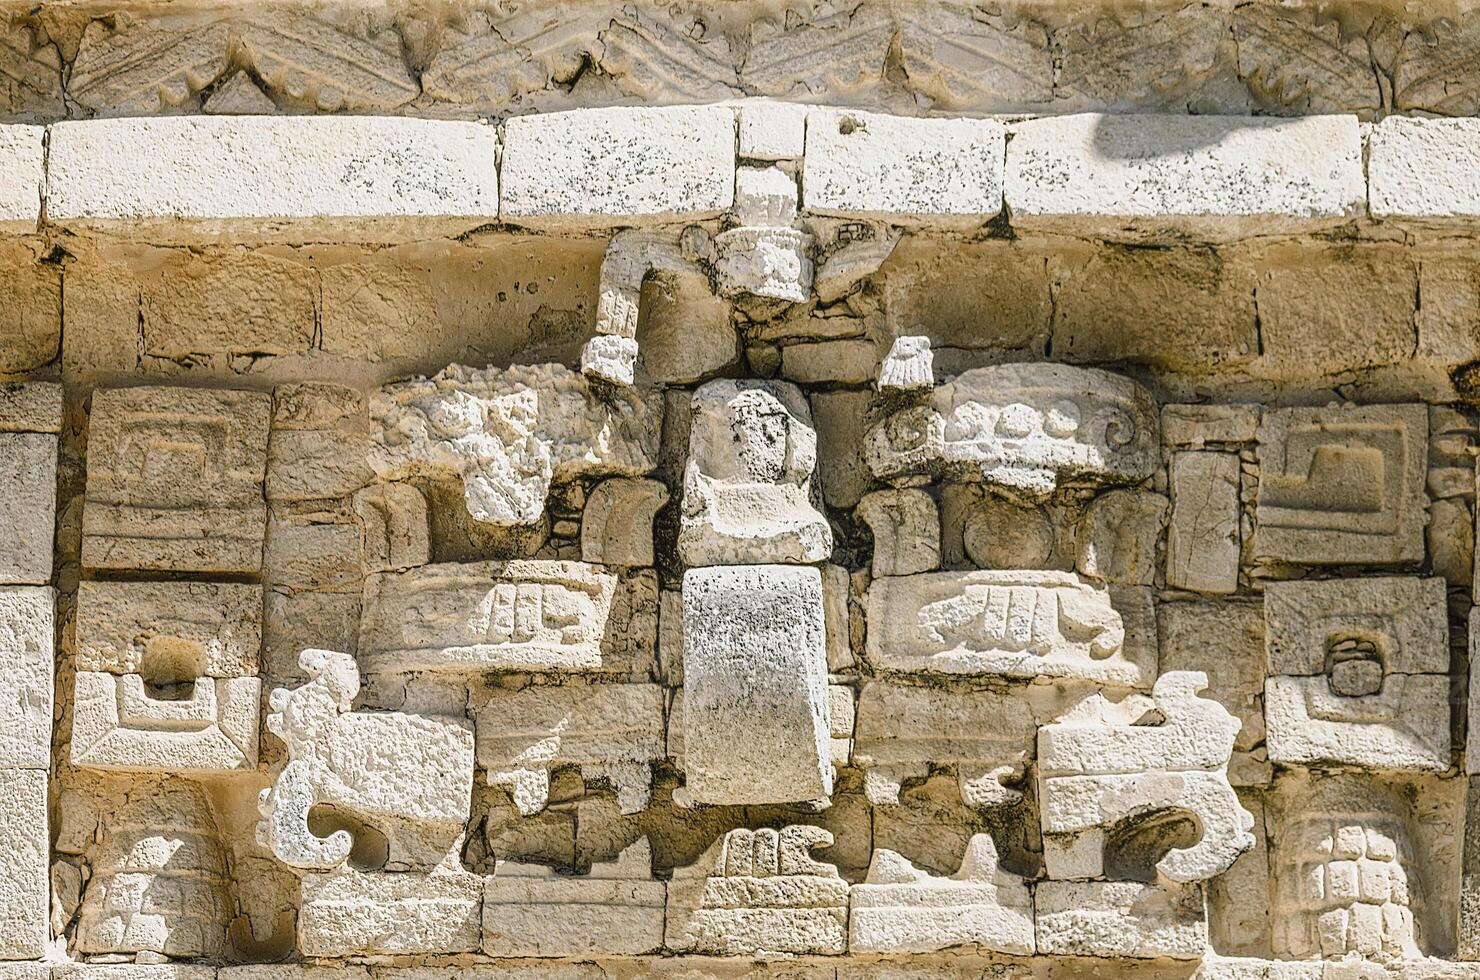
[765, 196]
[1404, 726]
[616, 910]
[176, 631]
[481, 616]
[617, 522]
[769, 262]
[22, 173]
[28, 498]
[118, 724]
[909, 365]
[759, 893]
[276, 177]
[618, 166]
[611, 731]
[755, 721]
[1403, 618]
[1120, 919]
[867, 165]
[27, 661]
[906, 529]
[1424, 168]
[352, 913]
[25, 845]
[1203, 537]
[900, 909]
[609, 358]
[772, 130]
[1212, 174]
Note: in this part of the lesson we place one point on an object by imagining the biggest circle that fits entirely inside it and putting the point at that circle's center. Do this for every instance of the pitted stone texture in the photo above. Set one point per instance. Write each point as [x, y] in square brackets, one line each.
[759, 893]
[175, 480]
[483, 616]
[28, 494]
[1213, 174]
[320, 443]
[616, 910]
[1404, 726]
[1120, 919]
[1342, 485]
[24, 841]
[1404, 618]
[909, 365]
[510, 433]
[618, 166]
[1011, 624]
[119, 724]
[1203, 539]
[351, 913]
[611, 731]
[748, 482]
[409, 775]
[27, 660]
[900, 909]
[1424, 168]
[861, 164]
[903, 731]
[772, 130]
[617, 523]
[906, 529]
[274, 177]
[772, 263]
[22, 173]
[755, 685]
[1028, 427]
[30, 406]
[189, 629]
[1118, 535]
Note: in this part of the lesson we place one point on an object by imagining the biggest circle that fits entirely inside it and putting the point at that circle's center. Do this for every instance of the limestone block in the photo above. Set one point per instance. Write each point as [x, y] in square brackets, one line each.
[861, 164]
[1423, 168]
[1401, 622]
[759, 893]
[1403, 726]
[1472, 756]
[906, 529]
[24, 837]
[851, 362]
[481, 616]
[837, 591]
[27, 660]
[618, 166]
[611, 731]
[510, 433]
[610, 359]
[28, 492]
[1197, 426]
[616, 910]
[317, 547]
[1223, 639]
[173, 631]
[909, 365]
[1011, 624]
[771, 130]
[410, 775]
[764, 196]
[30, 406]
[1343, 484]
[755, 721]
[22, 161]
[1203, 537]
[1118, 536]
[120, 723]
[617, 523]
[1028, 427]
[773, 263]
[394, 528]
[320, 443]
[1100, 766]
[352, 913]
[903, 732]
[748, 482]
[1220, 175]
[900, 909]
[376, 176]
[175, 480]
[1120, 919]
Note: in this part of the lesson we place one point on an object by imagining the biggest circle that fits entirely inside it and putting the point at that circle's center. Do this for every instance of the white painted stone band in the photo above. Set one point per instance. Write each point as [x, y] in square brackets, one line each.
[303, 177]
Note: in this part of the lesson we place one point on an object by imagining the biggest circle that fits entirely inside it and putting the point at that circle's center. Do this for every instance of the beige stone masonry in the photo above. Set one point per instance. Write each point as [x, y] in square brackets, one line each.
[21, 174]
[179, 178]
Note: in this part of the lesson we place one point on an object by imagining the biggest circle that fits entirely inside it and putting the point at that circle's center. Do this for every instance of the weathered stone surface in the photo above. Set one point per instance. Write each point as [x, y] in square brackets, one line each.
[1403, 618]
[24, 837]
[385, 174]
[123, 722]
[1199, 173]
[27, 506]
[1203, 536]
[177, 631]
[394, 530]
[909, 365]
[755, 719]
[175, 480]
[1198, 426]
[509, 434]
[351, 913]
[616, 910]
[771, 130]
[482, 616]
[1418, 168]
[862, 164]
[27, 659]
[900, 909]
[1223, 639]
[906, 529]
[30, 406]
[1028, 427]
[1118, 535]
[21, 161]
[901, 731]
[618, 166]
[757, 893]
[617, 524]
[1342, 485]
[320, 443]
[1120, 919]
[1405, 726]
[748, 483]
[613, 732]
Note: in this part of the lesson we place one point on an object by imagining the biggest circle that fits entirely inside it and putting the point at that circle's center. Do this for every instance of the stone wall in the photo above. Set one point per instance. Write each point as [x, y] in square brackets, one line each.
[738, 490]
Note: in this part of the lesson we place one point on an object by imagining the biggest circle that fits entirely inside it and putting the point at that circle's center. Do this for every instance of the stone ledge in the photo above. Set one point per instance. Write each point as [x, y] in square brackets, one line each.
[263, 176]
[22, 160]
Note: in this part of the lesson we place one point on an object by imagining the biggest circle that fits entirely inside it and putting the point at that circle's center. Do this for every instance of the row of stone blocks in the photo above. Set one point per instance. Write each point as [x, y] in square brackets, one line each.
[385, 177]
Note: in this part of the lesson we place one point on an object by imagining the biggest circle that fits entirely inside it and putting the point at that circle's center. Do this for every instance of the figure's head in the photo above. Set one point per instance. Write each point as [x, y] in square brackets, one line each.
[338, 672]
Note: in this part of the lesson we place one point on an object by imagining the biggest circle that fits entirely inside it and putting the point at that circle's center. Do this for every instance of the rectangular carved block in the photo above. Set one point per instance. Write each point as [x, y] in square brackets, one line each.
[174, 480]
[28, 500]
[24, 837]
[1120, 918]
[214, 630]
[1203, 539]
[390, 913]
[27, 660]
[117, 724]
